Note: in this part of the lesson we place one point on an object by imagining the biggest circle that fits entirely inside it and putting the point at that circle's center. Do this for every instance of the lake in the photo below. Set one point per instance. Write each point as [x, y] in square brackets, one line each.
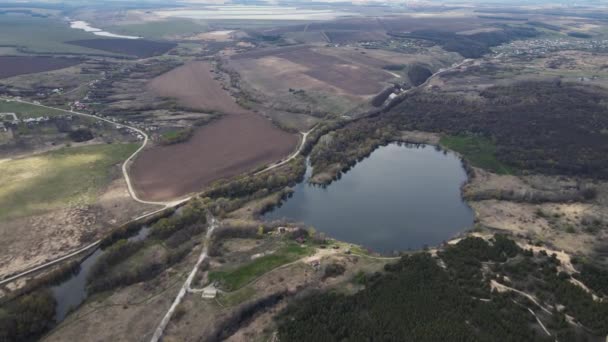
[401, 197]
[83, 25]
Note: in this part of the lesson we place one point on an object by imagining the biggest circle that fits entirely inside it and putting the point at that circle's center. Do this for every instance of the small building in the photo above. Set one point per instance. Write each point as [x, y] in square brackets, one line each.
[209, 292]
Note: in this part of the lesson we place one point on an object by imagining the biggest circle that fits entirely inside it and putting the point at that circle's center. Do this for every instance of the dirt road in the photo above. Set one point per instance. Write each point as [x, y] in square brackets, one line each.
[158, 333]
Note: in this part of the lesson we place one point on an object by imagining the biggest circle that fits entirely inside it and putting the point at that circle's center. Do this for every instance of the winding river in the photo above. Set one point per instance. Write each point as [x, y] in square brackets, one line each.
[401, 197]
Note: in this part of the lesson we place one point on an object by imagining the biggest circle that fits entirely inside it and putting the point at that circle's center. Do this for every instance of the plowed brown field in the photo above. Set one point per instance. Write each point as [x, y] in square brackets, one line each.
[239, 142]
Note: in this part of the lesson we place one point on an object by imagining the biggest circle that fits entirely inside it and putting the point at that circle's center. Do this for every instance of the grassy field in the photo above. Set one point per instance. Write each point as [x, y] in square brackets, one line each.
[480, 152]
[55, 179]
[236, 278]
[42, 35]
[24, 110]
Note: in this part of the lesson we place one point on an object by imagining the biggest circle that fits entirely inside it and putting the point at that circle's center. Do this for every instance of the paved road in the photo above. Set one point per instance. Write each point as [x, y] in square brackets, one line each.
[158, 333]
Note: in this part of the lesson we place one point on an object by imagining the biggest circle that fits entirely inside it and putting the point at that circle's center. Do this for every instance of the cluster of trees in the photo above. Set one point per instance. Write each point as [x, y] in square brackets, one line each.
[595, 278]
[175, 231]
[416, 299]
[228, 195]
[474, 45]
[244, 314]
[113, 255]
[418, 74]
[545, 127]
[191, 214]
[27, 317]
[81, 134]
[132, 228]
[176, 136]
[140, 272]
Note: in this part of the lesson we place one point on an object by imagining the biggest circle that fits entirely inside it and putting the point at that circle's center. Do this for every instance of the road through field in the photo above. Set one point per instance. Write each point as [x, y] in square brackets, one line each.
[125, 164]
[165, 205]
[158, 333]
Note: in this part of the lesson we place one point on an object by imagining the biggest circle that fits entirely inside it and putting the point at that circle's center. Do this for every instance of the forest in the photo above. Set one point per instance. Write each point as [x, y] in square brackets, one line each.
[533, 127]
[415, 299]
[474, 45]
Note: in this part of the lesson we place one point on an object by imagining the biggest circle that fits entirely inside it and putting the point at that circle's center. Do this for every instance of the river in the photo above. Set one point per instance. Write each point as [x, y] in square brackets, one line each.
[401, 197]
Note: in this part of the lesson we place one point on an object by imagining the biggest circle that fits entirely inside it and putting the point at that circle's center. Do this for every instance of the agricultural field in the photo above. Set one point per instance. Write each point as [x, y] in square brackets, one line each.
[237, 142]
[42, 36]
[321, 81]
[139, 48]
[221, 149]
[13, 66]
[193, 86]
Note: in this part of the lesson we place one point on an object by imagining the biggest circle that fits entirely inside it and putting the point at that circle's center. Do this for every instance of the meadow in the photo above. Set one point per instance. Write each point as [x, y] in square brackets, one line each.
[51, 180]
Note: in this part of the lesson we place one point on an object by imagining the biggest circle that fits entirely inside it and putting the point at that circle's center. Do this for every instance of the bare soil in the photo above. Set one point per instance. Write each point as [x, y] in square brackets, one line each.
[134, 47]
[193, 85]
[19, 65]
[238, 142]
[222, 149]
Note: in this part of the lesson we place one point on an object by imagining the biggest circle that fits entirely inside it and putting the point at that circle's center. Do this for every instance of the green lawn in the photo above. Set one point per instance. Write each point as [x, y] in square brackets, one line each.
[58, 178]
[480, 152]
[236, 278]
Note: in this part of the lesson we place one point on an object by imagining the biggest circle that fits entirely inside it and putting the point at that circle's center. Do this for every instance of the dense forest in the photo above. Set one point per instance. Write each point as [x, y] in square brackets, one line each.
[542, 127]
[473, 45]
[548, 127]
[416, 299]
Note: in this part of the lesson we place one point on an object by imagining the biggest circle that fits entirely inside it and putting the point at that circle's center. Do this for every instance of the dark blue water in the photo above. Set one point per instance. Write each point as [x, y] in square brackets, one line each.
[401, 197]
[72, 292]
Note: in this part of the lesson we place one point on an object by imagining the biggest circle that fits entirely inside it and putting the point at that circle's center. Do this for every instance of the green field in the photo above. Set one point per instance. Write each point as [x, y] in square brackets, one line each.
[236, 278]
[52, 180]
[42, 35]
[24, 110]
[480, 152]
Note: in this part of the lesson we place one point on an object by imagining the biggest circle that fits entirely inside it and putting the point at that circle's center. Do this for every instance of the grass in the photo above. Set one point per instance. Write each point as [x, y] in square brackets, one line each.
[56, 179]
[480, 152]
[236, 297]
[236, 278]
[24, 110]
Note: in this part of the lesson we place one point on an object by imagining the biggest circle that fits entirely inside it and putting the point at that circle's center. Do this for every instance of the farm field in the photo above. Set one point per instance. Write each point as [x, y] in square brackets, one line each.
[194, 87]
[222, 149]
[42, 36]
[238, 142]
[13, 66]
[48, 181]
[139, 48]
[309, 69]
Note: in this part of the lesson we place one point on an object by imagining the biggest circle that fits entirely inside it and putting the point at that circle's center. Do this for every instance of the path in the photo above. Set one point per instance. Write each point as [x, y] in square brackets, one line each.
[132, 193]
[292, 156]
[158, 333]
[70, 254]
[125, 164]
